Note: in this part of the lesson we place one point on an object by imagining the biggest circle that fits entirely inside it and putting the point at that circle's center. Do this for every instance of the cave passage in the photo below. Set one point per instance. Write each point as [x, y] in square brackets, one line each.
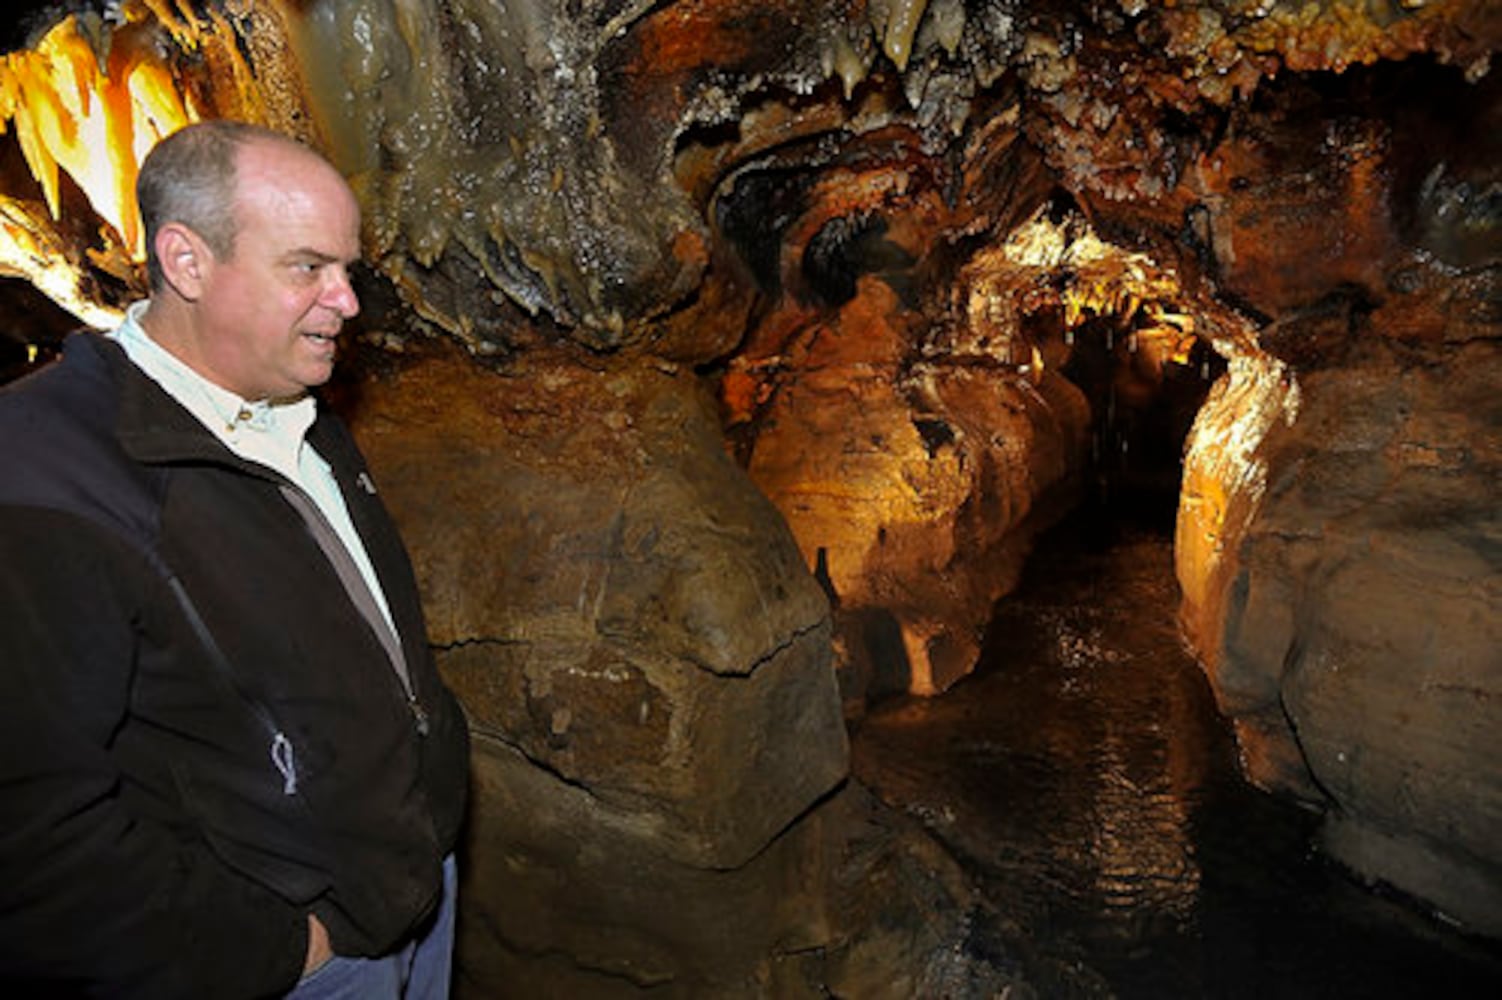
[1142, 408]
[1085, 780]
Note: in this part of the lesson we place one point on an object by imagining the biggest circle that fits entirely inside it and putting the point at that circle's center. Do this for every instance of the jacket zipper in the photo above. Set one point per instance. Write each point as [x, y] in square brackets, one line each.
[343, 564]
[280, 749]
[282, 755]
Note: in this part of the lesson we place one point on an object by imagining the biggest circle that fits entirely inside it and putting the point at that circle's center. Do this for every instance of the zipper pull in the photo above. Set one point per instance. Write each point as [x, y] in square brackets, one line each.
[286, 764]
[419, 714]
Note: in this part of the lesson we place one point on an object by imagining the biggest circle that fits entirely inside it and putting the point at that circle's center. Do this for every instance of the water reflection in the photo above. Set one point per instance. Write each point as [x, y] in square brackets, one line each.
[1086, 780]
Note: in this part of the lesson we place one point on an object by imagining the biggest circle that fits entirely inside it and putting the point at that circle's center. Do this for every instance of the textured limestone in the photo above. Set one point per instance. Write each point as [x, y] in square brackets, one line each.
[1338, 538]
[1364, 617]
[611, 596]
[912, 491]
[660, 796]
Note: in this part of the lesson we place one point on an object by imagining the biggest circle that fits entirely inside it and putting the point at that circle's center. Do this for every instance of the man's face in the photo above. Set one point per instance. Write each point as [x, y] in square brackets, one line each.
[271, 308]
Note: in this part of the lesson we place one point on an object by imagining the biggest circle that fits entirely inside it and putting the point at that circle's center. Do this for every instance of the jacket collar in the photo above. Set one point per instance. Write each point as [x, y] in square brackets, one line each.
[151, 426]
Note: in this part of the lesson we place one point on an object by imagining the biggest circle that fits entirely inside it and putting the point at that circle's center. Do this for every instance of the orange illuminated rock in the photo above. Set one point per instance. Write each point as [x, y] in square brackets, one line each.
[876, 229]
[912, 487]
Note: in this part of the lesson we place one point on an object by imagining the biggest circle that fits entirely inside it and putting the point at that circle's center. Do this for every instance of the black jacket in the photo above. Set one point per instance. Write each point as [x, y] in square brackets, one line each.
[168, 812]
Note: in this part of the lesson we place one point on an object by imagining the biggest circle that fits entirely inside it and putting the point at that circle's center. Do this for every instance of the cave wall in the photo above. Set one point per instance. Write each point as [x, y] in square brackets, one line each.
[660, 795]
[1348, 617]
[713, 364]
[894, 391]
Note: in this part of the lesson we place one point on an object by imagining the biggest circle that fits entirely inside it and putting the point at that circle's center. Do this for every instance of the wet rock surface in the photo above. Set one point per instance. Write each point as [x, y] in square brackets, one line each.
[1363, 620]
[611, 598]
[1085, 778]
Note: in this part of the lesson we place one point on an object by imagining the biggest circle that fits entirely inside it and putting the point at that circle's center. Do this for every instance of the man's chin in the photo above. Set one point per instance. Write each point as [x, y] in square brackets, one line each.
[306, 378]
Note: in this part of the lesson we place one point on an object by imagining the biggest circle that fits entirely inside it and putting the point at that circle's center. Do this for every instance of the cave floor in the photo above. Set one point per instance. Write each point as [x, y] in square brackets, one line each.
[1086, 781]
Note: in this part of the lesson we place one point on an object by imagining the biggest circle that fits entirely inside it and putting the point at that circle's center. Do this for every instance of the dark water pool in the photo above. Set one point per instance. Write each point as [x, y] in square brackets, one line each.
[1086, 780]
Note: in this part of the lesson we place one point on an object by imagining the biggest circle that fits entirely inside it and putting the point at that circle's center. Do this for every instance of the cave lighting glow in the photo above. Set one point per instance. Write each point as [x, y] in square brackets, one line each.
[79, 104]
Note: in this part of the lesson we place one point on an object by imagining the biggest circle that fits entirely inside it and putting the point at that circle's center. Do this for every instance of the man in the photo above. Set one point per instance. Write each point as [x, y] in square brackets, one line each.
[225, 753]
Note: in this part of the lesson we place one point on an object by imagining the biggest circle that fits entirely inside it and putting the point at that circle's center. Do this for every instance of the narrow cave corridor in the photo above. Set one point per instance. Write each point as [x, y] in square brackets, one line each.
[1141, 409]
[1085, 778]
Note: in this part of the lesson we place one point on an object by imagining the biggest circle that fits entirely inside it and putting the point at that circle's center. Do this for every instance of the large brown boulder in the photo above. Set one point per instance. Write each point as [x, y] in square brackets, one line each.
[644, 660]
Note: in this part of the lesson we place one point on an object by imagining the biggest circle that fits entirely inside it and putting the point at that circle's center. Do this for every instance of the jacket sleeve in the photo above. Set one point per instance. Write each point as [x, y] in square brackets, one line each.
[98, 901]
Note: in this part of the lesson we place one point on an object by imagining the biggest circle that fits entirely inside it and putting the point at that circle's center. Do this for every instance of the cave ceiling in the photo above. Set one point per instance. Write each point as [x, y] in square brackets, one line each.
[637, 176]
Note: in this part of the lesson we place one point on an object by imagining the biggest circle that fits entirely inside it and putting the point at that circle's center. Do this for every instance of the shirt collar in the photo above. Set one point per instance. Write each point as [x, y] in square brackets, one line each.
[229, 416]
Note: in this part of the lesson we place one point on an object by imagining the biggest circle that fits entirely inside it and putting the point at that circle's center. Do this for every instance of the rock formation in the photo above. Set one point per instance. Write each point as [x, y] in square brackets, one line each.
[724, 357]
[1346, 614]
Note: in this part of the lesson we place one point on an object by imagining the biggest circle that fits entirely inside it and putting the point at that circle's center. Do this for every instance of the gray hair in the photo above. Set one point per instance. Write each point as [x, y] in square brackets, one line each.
[189, 178]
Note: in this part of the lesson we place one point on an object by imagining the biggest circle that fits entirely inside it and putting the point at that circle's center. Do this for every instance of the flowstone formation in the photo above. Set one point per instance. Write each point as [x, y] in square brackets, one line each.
[723, 358]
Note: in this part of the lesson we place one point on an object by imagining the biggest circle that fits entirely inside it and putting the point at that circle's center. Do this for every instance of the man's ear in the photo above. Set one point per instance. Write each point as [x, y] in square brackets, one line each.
[185, 259]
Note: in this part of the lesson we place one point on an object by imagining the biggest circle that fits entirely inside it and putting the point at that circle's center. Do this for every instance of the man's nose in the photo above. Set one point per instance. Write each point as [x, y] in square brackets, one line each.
[339, 294]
